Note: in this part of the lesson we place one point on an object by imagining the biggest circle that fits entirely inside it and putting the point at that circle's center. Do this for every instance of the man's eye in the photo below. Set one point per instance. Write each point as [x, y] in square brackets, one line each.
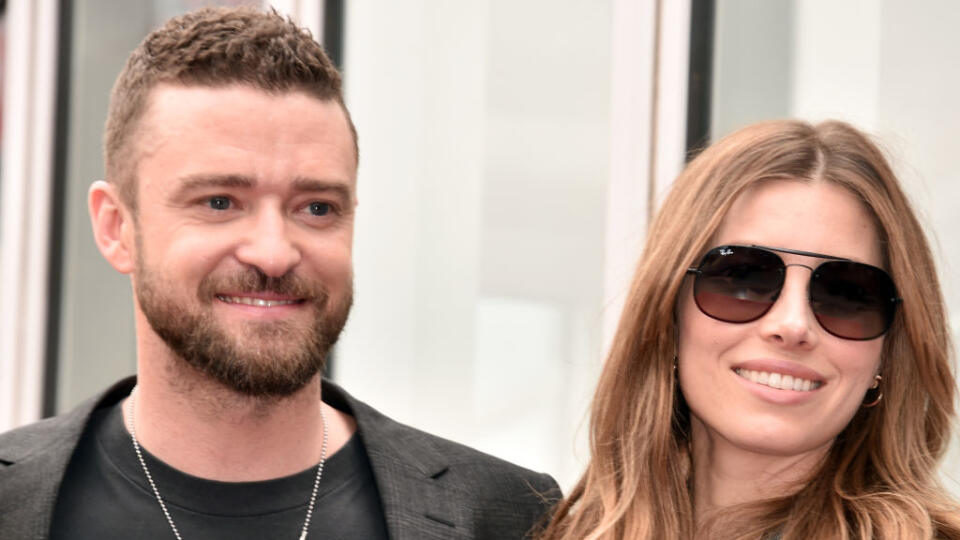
[219, 203]
[320, 208]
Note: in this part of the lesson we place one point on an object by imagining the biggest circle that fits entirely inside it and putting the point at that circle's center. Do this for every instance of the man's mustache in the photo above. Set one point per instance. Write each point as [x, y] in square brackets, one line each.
[253, 280]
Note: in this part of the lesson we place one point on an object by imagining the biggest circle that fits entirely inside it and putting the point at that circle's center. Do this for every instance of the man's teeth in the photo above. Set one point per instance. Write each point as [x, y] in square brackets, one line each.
[259, 302]
[778, 380]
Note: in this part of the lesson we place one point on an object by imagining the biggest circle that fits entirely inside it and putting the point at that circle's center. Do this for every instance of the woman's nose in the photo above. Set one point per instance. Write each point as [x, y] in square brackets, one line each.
[790, 321]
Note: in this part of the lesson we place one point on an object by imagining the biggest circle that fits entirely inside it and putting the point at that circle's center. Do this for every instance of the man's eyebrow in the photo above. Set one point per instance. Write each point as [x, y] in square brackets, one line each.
[200, 181]
[316, 185]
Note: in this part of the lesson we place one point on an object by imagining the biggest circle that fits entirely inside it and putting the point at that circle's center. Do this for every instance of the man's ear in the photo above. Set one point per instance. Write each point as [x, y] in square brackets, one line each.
[113, 227]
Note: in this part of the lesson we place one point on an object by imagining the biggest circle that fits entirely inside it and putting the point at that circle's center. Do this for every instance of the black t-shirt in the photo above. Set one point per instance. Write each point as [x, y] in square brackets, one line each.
[105, 495]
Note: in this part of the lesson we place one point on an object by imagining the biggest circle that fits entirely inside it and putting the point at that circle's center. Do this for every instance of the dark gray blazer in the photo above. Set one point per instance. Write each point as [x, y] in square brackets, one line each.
[430, 488]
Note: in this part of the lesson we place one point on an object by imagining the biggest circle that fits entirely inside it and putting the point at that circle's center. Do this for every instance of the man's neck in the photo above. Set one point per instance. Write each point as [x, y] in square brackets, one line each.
[202, 428]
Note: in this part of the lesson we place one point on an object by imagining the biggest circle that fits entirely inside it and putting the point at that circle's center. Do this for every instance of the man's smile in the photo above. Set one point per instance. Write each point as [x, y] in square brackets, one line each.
[258, 302]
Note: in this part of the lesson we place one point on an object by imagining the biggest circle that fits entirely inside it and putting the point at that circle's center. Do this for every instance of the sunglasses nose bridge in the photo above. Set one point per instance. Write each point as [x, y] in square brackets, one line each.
[808, 267]
[790, 320]
[812, 270]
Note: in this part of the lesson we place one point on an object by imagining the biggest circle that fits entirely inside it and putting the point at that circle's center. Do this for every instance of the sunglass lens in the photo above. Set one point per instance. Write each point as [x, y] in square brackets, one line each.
[738, 284]
[852, 300]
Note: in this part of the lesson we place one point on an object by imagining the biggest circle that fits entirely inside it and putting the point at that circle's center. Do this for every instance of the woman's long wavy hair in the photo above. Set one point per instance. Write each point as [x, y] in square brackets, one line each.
[879, 479]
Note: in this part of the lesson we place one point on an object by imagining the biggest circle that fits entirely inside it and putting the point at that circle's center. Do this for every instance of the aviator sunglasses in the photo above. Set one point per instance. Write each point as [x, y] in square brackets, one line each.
[739, 284]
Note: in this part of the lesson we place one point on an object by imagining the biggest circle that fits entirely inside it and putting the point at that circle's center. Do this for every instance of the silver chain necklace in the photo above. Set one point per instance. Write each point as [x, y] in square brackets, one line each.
[163, 506]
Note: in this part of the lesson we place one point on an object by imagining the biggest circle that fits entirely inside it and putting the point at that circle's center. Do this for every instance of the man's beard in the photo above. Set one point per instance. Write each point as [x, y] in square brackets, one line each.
[260, 359]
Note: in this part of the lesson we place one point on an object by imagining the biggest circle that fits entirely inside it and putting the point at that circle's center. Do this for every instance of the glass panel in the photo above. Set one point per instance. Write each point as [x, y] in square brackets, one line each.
[3, 70]
[480, 234]
[887, 67]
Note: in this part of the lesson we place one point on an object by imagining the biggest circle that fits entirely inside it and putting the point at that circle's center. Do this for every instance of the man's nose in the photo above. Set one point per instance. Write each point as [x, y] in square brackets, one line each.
[790, 321]
[268, 243]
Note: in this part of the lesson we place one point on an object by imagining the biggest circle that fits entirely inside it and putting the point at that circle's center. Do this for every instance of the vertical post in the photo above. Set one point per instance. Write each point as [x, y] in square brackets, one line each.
[29, 92]
[646, 148]
[702, 15]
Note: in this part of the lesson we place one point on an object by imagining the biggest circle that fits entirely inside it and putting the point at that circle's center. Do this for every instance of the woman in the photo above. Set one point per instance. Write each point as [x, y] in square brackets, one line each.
[781, 369]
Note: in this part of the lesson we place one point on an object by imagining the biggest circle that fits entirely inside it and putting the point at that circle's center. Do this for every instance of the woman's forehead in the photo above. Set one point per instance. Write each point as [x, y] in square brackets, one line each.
[804, 215]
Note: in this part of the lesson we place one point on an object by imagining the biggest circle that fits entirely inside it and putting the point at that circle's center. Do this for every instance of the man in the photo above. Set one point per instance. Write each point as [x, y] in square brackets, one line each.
[229, 199]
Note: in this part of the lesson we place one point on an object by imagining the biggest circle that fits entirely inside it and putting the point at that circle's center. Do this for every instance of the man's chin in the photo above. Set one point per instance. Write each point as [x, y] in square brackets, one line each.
[257, 375]
[258, 360]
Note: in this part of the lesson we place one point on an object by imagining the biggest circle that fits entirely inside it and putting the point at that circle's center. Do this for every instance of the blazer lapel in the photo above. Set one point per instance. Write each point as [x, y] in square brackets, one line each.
[409, 473]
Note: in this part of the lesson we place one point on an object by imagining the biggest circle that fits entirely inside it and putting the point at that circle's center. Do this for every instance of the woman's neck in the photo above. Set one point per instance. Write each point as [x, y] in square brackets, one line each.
[725, 475]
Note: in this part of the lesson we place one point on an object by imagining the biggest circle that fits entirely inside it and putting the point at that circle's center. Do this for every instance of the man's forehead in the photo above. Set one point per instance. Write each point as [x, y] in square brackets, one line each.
[219, 122]
[170, 98]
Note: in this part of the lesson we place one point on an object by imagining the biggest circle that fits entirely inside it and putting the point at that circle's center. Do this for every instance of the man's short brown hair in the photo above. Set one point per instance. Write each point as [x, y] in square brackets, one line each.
[212, 47]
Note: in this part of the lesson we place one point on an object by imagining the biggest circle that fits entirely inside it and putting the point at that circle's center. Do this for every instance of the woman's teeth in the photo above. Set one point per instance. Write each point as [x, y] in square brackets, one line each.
[778, 380]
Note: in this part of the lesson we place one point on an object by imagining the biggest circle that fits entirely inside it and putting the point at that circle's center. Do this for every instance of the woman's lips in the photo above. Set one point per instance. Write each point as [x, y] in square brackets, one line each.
[777, 380]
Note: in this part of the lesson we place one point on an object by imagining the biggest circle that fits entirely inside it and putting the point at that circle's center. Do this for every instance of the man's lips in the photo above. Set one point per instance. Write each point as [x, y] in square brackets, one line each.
[259, 299]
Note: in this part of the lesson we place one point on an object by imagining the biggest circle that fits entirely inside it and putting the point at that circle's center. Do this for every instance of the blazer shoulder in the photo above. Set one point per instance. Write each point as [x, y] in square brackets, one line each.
[457, 465]
[490, 472]
[40, 437]
[502, 500]
[55, 434]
